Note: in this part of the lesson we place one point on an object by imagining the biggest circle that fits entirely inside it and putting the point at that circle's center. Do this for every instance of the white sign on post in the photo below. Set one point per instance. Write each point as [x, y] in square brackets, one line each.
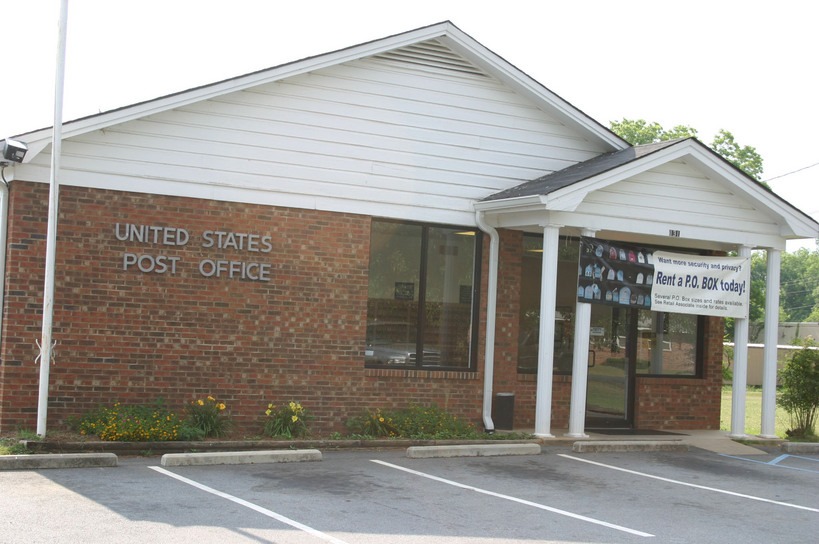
[693, 284]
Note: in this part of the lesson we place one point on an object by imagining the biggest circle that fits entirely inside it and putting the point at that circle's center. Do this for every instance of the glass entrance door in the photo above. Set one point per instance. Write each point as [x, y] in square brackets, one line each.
[609, 392]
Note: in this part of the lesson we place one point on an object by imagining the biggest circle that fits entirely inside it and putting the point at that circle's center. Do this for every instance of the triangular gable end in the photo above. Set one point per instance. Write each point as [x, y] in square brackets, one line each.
[475, 55]
[682, 189]
[418, 130]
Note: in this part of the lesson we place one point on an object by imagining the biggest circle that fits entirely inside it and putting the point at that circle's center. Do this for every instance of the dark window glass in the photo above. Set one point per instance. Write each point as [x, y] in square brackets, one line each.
[667, 344]
[528, 339]
[421, 304]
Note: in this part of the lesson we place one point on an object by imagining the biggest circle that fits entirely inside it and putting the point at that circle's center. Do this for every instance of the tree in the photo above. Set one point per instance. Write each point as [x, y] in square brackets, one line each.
[640, 132]
[799, 285]
[743, 157]
[799, 393]
[756, 294]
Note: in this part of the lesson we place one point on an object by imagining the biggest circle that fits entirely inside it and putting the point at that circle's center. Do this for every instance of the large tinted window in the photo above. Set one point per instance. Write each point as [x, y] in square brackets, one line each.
[667, 344]
[422, 298]
[528, 339]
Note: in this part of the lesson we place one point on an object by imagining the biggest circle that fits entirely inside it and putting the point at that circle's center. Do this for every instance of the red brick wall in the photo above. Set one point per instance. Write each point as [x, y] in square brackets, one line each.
[507, 378]
[134, 337]
[685, 403]
[661, 403]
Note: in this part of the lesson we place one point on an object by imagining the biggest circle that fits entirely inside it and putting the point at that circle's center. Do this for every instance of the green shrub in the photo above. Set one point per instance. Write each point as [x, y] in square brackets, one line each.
[376, 424]
[430, 422]
[12, 446]
[727, 361]
[130, 423]
[204, 418]
[799, 392]
[288, 420]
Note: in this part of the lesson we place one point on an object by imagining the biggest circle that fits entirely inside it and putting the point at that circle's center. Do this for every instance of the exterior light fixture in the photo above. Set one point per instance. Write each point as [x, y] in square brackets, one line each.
[13, 151]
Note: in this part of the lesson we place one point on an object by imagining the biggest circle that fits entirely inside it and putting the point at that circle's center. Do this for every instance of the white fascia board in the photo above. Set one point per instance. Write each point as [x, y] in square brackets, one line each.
[39, 139]
[568, 198]
[637, 231]
[521, 82]
[582, 188]
[512, 204]
[800, 225]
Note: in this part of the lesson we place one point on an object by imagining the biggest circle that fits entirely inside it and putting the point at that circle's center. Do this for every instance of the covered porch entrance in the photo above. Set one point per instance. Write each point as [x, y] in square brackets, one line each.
[624, 343]
[678, 195]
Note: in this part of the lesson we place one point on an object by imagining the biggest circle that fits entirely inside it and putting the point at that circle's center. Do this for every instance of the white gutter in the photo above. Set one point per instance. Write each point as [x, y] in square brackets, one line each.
[491, 305]
[4, 223]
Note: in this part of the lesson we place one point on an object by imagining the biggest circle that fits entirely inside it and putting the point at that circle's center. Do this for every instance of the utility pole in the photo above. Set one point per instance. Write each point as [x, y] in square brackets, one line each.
[51, 236]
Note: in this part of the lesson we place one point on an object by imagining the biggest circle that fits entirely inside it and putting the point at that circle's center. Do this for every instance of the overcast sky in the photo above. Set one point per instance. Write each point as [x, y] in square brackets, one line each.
[747, 66]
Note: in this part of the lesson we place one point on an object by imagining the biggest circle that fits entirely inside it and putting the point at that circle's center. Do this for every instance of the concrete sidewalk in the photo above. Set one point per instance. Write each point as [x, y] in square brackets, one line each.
[714, 441]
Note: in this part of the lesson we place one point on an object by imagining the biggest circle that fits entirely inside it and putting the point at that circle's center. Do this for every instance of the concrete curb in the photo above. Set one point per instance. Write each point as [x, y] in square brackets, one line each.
[477, 450]
[619, 446]
[172, 446]
[800, 447]
[239, 457]
[63, 460]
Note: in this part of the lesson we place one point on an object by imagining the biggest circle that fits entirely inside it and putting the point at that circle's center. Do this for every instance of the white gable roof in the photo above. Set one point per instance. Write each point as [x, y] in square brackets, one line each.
[446, 33]
[676, 193]
[417, 126]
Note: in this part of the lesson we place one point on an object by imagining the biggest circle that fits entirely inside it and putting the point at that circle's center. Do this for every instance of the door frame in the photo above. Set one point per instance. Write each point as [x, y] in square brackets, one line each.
[626, 422]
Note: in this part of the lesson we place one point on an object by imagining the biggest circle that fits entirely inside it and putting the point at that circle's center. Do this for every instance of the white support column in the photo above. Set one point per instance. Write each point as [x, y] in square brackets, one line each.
[740, 369]
[546, 338]
[580, 365]
[771, 338]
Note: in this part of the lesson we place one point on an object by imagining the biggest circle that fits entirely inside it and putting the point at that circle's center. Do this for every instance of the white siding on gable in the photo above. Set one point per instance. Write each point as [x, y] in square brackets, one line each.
[416, 133]
[688, 199]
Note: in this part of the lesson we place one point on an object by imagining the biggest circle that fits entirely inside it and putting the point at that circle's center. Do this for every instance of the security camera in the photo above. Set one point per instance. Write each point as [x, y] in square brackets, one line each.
[13, 150]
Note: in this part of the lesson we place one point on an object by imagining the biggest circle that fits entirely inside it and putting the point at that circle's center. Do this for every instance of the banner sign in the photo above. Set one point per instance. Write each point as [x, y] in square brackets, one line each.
[693, 284]
[624, 275]
[614, 274]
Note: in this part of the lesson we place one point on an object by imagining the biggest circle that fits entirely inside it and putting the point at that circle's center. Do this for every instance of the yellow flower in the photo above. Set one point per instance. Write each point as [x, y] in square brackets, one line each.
[270, 406]
[268, 412]
[294, 418]
[292, 405]
[222, 406]
[200, 402]
[381, 419]
[211, 398]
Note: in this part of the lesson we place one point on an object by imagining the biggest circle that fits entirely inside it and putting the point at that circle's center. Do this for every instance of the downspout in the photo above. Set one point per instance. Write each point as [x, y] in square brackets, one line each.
[4, 223]
[491, 306]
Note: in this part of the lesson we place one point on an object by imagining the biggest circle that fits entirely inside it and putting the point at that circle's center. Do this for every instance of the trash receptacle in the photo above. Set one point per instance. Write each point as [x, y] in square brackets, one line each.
[504, 413]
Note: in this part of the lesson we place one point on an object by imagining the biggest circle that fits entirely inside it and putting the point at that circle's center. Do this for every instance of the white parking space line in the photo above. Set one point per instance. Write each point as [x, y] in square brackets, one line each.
[515, 499]
[706, 488]
[264, 511]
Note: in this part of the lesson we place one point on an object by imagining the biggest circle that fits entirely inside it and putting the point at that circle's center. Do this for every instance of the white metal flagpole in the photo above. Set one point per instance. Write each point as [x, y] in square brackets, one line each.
[51, 236]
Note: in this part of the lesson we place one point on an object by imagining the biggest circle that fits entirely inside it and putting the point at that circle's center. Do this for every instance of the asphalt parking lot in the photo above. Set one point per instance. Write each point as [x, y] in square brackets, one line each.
[384, 497]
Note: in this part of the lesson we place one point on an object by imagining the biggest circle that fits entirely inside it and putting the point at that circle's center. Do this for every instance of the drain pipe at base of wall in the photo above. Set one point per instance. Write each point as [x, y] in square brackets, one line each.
[4, 220]
[491, 304]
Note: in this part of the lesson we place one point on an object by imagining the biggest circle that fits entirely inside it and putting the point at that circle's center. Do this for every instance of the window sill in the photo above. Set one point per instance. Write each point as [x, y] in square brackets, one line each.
[421, 373]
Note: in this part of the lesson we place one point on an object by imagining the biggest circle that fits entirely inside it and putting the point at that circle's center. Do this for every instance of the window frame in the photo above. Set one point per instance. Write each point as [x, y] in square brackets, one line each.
[699, 357]
[475, 311]
[699, 361]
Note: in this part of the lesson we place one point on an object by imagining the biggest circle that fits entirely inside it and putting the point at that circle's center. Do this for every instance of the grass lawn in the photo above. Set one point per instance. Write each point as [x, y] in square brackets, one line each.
[753, 413]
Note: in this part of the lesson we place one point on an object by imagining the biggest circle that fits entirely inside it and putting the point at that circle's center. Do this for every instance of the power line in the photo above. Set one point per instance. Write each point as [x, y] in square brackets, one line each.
[789, 173]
